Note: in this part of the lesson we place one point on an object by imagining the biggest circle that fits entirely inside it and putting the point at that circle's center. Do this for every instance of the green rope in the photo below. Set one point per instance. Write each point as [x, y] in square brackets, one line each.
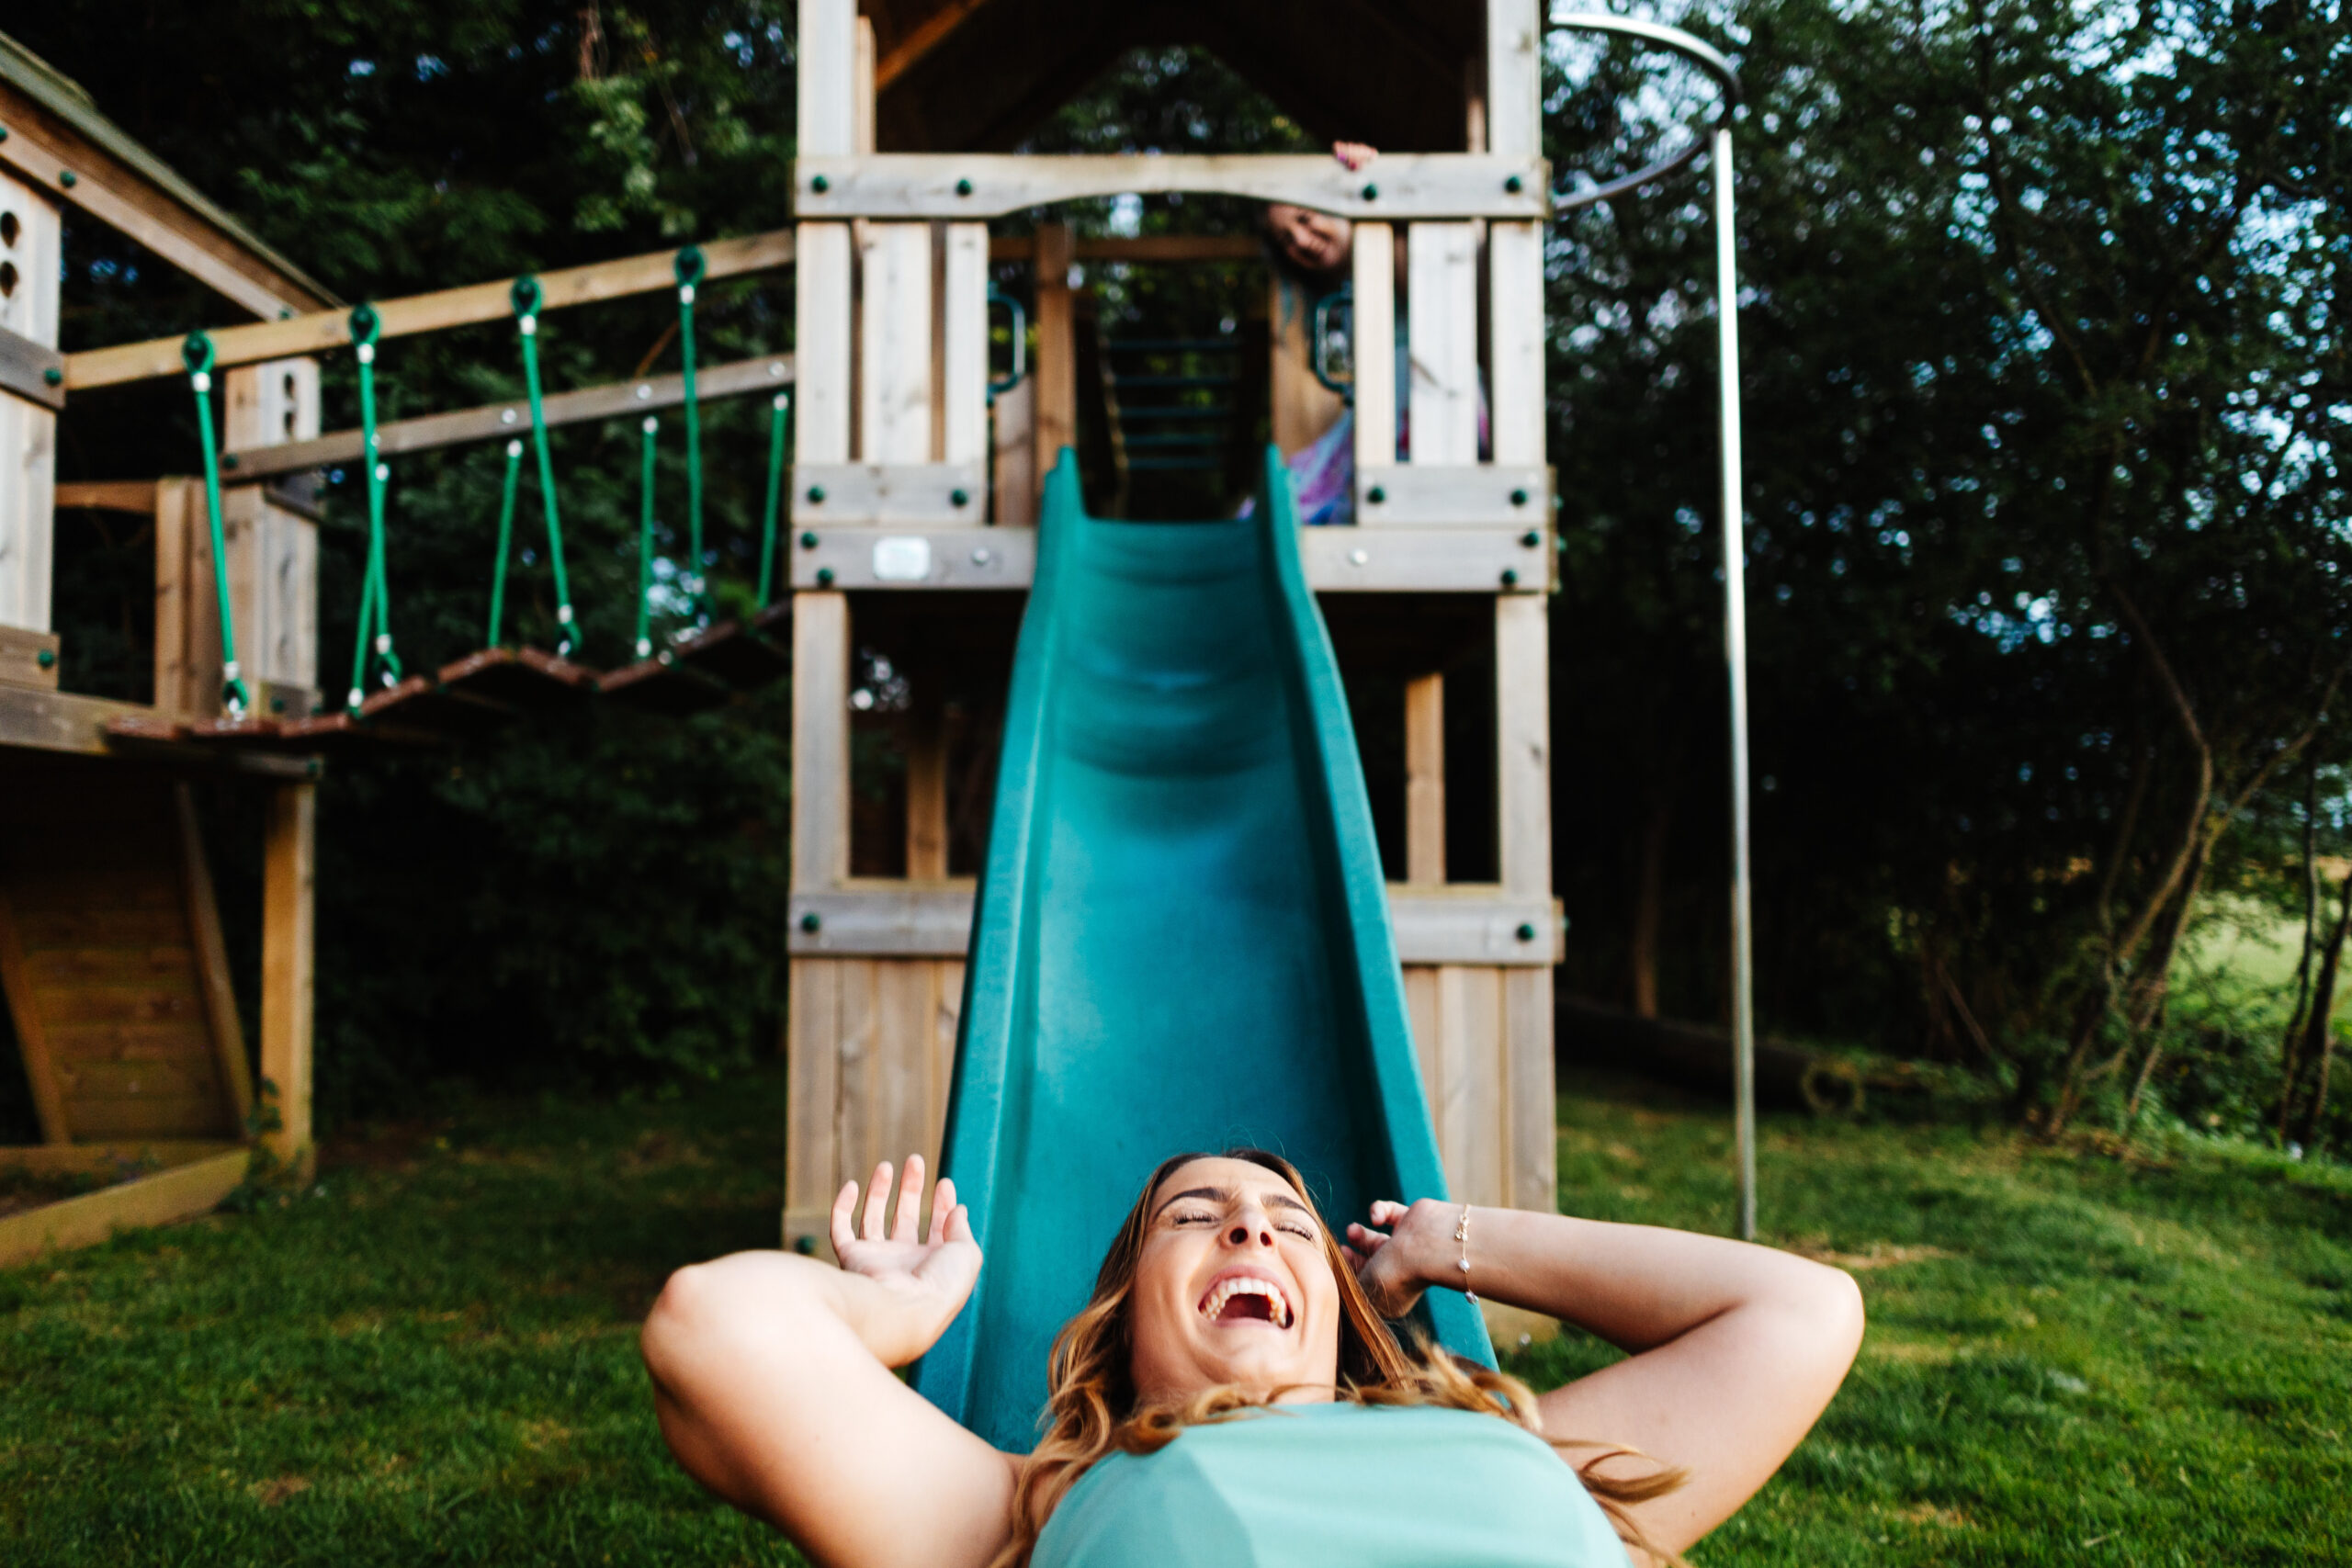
[527, 298]
[506, 537]
[375, 633]
[645, 549]
[689, 268]
[197, 355]
[776, 494]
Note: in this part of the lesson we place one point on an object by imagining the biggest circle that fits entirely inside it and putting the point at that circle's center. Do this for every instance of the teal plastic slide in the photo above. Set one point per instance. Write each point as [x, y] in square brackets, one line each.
[1181, 939]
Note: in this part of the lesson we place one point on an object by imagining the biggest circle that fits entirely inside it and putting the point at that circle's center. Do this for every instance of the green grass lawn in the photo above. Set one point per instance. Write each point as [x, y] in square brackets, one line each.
[432, 1359]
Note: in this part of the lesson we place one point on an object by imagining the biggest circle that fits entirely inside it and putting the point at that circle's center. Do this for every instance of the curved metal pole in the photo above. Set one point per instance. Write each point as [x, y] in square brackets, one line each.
[1697, 51]
[1743, 957]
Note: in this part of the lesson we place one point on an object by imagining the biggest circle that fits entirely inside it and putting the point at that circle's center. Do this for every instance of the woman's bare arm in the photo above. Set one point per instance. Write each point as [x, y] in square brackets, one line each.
[1734, 1350]
[772, 1377]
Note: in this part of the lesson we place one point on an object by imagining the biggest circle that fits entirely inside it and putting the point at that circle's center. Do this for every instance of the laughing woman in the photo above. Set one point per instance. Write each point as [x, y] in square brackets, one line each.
[1233, 1395]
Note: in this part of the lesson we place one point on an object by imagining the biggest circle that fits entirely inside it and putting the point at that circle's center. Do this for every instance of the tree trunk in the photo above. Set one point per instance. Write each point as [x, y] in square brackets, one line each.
[2290, 1055]
[1649, 901]
[2319, 1035]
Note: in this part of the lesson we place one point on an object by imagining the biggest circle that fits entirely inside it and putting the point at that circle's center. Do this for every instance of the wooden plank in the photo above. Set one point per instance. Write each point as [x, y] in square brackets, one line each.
[1012, 434]
[904, 1012]
[821, 313]
[1449, 1097]
[94, 966]
[324, 331]
[28, 659]
[115, 926]
[932, 558]
[926, 35]
[917, 493]
[1459, 923]
[861, 100]
[1425, 780]
[974, 186]
[1055, 369]
[963, 345]
[131, 1041]
[894, 363]
[1373, 344]
[107, 495]
[926, 796]
[162, 1198]
[105, 1159]
[1515, 350]
[813, 1073]
[210, 956]
[32, 1032]
[138, 1117]
[174, 515]
[29, 315]
[825, 51]
[187, 1080]
[68, 168]
[820, 671]
[1528, 1093]
[1441, 280]
[1514, 77]
[1433, 560]
[947, 1005]
[288, 943]
[59, 721]
[1149, 249]
[1524, 743]
[1422, 1011]
[856, 1138]
[501, 422]
[31, 370]
[1455, 495]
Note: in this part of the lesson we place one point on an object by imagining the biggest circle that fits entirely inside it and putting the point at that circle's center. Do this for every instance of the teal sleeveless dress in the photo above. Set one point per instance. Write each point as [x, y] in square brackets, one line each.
[1343, 1484]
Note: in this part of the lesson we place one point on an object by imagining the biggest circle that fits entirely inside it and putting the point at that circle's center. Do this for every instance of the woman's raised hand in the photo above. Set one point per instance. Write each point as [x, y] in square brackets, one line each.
[931, 1278]
[1395, 1268]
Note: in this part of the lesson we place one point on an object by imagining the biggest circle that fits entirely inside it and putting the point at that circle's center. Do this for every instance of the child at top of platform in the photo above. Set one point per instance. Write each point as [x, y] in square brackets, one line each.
[1317, 249]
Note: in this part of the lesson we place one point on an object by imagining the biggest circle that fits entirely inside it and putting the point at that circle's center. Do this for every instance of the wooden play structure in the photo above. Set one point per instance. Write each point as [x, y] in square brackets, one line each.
[903, 109]
[111, 950]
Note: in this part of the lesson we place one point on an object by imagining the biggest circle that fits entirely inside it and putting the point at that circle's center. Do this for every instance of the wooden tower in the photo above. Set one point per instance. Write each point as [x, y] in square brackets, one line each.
[902, 110]
[118, 984]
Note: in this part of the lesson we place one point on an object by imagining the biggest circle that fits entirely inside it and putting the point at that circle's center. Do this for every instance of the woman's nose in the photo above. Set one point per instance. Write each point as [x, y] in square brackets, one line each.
[1247, 1229]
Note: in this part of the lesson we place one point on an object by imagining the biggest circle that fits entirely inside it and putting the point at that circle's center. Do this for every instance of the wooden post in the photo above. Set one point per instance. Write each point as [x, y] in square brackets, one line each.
[273, 552]
[821, 658]
[894, 361]
[1425, 780]
[29, 259]
[1013, 421]
[210, 951]
[963, 345]
[1441, 279]
[289, 855]
[1374, 262]
[1056, 370]
[927, 794]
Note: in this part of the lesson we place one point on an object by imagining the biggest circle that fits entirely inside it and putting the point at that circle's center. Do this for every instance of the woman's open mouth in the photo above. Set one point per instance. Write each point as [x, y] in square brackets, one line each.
[1246, 1298]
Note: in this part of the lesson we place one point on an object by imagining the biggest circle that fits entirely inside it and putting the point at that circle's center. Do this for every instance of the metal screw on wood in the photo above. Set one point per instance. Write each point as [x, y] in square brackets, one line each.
[960, 498]
[68, 178]
[1530, 539]
[1510, 578]
[1519, 497]
[812, 922]
[819, 184]
[46, 657]
[1512, 183]
[963, 187]
[1372, 193]
[1526, 933]
[816, 494]
[824, 577]
[53, 376]
[807, 541]
[1376, 495]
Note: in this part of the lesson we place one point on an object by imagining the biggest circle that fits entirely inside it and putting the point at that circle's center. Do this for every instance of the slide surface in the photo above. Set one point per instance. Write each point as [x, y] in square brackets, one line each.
[1181, 938]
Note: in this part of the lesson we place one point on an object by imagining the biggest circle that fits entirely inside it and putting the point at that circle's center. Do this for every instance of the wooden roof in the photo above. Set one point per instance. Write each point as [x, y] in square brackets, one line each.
[59, 142]
[976, 75]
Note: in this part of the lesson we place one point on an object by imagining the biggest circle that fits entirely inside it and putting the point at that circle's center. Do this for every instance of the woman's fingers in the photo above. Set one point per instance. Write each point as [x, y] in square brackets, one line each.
[877, 1197]
[908, 1225]
[942, 1206]
[844, 1226]
[1367, 1241]
[1385, 1213]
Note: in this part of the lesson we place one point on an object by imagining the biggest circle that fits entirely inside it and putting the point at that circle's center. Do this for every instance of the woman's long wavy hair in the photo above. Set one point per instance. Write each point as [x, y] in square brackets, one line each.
[1091, 1405]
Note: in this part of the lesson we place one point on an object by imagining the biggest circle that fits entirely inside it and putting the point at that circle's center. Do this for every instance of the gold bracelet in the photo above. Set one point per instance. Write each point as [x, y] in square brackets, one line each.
[1461, 1235]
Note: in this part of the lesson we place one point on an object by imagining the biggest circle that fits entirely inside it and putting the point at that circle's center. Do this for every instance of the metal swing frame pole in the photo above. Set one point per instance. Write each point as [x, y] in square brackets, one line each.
[1717, 144]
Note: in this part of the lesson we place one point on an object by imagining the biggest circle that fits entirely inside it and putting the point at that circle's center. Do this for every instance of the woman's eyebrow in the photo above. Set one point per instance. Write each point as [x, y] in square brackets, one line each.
[1279, 1199]
[1215, 1194]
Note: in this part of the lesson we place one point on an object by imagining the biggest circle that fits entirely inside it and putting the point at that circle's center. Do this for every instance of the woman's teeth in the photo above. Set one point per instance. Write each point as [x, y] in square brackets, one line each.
[1276, 1312]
